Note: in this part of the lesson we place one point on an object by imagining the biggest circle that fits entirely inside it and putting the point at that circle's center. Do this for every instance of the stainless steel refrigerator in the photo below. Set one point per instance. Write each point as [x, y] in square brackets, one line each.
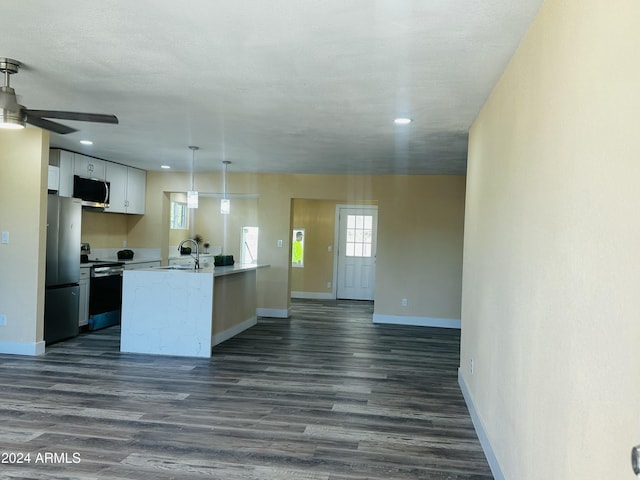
[62, 293]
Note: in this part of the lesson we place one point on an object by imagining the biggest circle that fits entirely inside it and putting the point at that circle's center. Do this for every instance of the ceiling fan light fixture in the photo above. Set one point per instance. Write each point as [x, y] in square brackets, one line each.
[13, 115]
[11, 120]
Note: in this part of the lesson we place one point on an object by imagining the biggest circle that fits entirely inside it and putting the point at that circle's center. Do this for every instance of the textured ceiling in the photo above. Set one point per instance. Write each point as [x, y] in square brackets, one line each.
[295, 86]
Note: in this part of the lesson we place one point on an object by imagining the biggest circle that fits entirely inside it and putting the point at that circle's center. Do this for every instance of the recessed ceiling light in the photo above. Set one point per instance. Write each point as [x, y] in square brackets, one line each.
[165, 166]
[86, 142]
[402, 121]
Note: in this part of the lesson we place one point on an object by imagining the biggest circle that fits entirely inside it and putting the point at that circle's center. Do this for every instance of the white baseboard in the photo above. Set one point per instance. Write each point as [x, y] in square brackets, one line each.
[22, 348]
[233, 331]
[480, 430]
[417, 321]
[273, 312]
[313, 295]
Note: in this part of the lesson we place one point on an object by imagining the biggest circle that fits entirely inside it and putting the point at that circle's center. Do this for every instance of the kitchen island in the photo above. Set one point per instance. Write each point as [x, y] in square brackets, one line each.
[185, 312]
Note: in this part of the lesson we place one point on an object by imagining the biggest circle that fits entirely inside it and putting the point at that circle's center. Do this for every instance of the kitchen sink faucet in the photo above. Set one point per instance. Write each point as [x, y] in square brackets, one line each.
[197, 257]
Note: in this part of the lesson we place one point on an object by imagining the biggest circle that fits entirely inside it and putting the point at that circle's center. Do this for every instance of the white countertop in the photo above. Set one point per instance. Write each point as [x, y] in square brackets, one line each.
[217, 271]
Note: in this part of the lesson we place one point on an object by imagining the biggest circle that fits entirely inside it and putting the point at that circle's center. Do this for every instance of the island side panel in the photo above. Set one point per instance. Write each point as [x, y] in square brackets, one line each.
[234, 305]
[167, 313]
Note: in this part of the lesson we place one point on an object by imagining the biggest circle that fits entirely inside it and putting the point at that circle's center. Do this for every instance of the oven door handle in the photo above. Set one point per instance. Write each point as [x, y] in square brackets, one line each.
[106, 274]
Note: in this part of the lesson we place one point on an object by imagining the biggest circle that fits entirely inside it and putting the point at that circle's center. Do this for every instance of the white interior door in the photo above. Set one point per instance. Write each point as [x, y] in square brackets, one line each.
[357, 252]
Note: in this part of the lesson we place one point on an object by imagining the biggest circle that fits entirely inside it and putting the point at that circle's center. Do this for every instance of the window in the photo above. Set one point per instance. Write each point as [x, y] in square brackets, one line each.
[297, 248]
[359, 235]
[249, 245]
[179, 216]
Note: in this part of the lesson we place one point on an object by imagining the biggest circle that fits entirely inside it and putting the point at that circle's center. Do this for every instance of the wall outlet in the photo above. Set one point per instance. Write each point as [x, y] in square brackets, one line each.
[5, 237]
[328, 284]
[471, 366]
[124, 243]
[279, 243]
[405, 302]
[330, 248]
[3, 320]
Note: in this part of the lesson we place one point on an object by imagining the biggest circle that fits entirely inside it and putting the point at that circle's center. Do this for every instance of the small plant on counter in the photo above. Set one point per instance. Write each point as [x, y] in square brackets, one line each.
[198, 238]
[206, 247]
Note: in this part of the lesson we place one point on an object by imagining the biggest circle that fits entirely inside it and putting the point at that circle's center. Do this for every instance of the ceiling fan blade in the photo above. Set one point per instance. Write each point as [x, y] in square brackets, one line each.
[79, 116]
[48, 125]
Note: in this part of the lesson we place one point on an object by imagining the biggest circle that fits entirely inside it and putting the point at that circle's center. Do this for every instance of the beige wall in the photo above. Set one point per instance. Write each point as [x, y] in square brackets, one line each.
[420, 238]
[225, 230]
[317, 218]
[24, 155]
[403, 232]
[551, 262]
[104, 230]
[420, 227]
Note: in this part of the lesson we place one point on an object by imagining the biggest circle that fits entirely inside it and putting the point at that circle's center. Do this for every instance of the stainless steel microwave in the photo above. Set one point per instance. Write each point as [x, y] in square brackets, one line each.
[93, 193]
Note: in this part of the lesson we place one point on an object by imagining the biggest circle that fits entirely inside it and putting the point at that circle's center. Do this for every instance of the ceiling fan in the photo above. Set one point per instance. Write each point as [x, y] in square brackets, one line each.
[14, 115]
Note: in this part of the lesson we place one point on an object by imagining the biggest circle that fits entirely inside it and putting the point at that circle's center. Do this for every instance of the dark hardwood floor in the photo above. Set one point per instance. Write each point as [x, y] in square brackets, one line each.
[325, 394]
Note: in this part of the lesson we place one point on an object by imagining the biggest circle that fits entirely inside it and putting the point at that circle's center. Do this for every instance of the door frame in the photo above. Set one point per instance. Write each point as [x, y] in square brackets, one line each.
[336, 240]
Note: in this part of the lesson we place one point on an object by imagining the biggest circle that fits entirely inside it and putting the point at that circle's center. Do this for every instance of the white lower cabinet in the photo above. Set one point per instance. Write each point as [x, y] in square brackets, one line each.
[83, 312]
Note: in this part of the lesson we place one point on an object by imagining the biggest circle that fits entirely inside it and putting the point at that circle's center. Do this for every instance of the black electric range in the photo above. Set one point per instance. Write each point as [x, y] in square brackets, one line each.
[105, 294]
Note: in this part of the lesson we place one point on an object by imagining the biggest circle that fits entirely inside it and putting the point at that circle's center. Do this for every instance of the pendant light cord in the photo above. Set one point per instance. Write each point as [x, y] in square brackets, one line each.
[193, 162]
[224, 178]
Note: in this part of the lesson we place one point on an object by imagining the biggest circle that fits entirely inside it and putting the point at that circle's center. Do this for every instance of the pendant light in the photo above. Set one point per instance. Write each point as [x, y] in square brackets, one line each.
[192, 195]
[225, 203]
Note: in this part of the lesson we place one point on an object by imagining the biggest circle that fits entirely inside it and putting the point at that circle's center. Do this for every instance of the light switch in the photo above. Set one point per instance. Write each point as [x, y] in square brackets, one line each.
[5, 237]
[279, 243]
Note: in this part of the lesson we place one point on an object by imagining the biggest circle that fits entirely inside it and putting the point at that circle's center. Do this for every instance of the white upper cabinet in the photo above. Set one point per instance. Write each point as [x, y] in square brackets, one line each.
[117, 178]
[136, 190]
[89, 167]
[128, 189]
[128, 185]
